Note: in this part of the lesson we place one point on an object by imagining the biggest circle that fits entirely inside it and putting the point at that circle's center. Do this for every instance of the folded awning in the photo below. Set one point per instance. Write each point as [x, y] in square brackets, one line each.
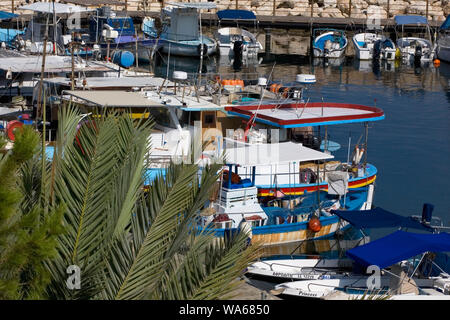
[402, 20]
[4, 15]
[397, 247]
[379, 218]
[236, 15]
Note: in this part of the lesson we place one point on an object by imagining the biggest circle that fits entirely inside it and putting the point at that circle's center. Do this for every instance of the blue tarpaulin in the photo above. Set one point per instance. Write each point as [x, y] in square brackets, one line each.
[397, 247]
[7, 15]
[399, 20]
[236, 15]
[379, 218]
[446, 24]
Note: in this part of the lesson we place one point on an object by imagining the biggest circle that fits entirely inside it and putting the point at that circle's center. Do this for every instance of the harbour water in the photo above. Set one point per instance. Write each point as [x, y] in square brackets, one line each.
[410, 147]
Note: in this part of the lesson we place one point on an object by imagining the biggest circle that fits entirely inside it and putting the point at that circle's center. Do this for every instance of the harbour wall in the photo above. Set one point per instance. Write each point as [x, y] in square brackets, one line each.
[436, 10]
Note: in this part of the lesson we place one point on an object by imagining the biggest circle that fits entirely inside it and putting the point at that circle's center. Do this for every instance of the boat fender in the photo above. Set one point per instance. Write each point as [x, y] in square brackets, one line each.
[11, 127]
[437, 62]
[314, 224]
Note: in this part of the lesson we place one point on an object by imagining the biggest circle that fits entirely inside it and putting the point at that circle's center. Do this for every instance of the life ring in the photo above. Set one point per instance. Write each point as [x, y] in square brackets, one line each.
[314, 224]
[11, 126]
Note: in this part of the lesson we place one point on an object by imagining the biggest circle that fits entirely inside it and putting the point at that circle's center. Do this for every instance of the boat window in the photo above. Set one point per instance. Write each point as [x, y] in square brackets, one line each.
[162, 117]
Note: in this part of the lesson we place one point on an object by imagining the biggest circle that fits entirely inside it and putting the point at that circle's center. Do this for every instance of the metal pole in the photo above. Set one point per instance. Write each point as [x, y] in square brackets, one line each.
[12, 6]
[237, 4]
[350, 8]
[274, 7]
[426, 12]
[312, 8]
[136, 55]
[72, 80]
[366, 124]
[388, 5]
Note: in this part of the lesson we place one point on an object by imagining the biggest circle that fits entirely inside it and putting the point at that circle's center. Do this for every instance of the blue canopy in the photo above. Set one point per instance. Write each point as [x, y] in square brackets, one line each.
[446, 24]
[236, 15]
[400, 20]
[398, 246]
[7, 15]
[379, 218]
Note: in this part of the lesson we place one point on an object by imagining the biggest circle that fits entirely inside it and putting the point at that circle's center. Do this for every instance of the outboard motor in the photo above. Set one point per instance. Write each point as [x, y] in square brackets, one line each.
[427, 212]
[418, 53]
[376, 50]
[238, 47]
[202, 47]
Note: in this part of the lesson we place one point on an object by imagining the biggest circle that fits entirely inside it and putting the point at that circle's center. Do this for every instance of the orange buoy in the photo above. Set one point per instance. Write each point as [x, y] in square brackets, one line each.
[11, 126]
[437, 62]
[314, 224]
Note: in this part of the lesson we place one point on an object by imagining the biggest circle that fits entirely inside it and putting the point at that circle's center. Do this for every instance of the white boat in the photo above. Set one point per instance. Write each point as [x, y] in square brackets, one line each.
[400, 277]
[443, 42]
[181, 32]
[414, 48]
[370, 46]
[329, 43]
[234, 40]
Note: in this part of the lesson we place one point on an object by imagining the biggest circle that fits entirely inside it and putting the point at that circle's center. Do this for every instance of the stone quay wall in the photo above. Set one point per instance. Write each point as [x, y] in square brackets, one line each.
[371, 9]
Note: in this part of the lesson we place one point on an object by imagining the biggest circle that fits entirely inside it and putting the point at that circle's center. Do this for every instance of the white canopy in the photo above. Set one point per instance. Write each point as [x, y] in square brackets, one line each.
[113, 98]
[196, 5]
[59, 8]
[272, 153]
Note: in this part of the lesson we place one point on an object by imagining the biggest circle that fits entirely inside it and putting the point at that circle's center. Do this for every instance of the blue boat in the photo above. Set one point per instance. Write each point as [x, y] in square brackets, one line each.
[329, 43]
[180, 32]
[126, 39]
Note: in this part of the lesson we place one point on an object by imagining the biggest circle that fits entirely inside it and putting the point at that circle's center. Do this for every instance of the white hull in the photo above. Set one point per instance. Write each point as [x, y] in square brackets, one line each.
[408, 45]
[364, 44]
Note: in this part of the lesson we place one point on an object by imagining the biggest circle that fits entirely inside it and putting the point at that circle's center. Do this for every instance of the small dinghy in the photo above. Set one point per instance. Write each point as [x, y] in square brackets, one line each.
[370, 46]
[329, 43]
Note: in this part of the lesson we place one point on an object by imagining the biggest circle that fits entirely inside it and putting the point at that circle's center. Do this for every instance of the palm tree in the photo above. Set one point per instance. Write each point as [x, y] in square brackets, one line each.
[130, 244]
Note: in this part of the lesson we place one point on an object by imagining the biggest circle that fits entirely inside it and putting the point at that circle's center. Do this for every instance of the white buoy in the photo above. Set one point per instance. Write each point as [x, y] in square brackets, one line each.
[262, 82]
[179, 75]
[305, 78]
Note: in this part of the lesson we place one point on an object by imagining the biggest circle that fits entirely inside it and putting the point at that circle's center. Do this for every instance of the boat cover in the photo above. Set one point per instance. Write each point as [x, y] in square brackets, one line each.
[58, 8]
[236, 15]
[379, 218]
[7, 15]
[398, 246]
[446, 24]
[400, 20]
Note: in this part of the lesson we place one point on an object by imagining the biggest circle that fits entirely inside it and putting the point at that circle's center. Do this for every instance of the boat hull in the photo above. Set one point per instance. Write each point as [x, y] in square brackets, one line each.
[443, 49]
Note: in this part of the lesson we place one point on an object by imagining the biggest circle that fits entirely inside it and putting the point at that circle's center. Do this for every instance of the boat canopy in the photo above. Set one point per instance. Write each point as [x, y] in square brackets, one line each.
[446, 24]
[398, 246]
[236, 15]
[195, 5]
[95, 2]
[248, 155]
[402, 20]
[58, 8]
[295, 115]
[379, 218]
[7, 15]
[113, 98]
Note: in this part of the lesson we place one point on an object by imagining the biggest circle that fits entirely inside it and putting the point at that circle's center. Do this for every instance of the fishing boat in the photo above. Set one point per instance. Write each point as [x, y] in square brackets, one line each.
[401, 277]
[414, 48]
[236, 42]
[285, 219]
[372, 45]
[329, 43]
[443, 42]
[179, 28]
